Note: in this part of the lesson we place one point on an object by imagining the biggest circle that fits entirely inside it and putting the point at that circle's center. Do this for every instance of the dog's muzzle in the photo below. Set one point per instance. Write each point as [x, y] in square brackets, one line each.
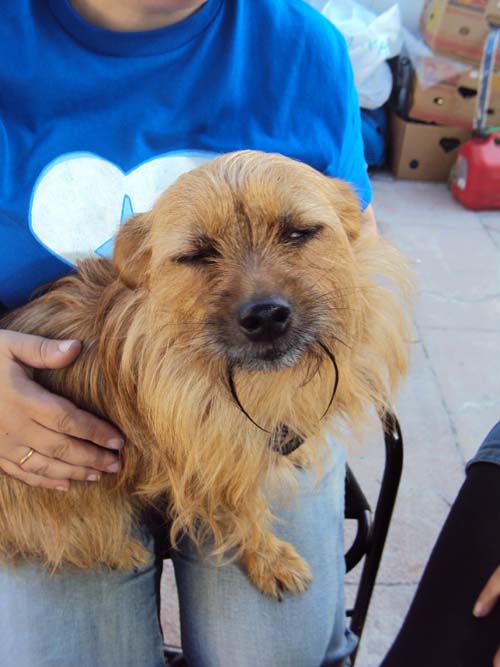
[265, 320]
[264, 332]
[267, 334]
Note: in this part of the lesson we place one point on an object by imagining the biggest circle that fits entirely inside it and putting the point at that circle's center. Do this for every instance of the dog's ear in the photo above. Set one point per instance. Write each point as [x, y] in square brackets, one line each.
[347, 206]
[132, 253]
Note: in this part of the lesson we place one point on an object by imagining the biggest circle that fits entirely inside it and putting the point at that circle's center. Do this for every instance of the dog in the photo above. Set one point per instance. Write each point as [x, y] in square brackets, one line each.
[241, 317]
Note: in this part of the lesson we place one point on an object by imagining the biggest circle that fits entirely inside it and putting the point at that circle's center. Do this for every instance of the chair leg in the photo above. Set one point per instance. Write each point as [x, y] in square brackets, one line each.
[381, 520]
[178, 661]
[173, 656]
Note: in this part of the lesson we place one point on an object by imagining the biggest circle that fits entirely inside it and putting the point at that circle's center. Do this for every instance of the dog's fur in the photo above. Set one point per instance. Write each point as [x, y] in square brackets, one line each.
[159, 334]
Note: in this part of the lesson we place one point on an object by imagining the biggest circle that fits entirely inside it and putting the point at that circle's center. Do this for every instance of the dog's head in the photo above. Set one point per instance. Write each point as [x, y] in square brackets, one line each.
[250, 258]
[257, 264]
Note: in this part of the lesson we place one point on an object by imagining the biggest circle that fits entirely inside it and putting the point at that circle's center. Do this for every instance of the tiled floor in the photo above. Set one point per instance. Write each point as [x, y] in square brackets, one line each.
[451, 399]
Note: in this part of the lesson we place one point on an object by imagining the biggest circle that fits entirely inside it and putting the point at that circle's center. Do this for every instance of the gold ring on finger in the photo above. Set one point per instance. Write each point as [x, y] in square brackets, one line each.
[26, 456]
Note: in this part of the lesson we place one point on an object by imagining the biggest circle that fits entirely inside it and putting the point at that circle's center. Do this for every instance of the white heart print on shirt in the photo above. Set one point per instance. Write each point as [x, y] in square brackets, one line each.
[80, 199]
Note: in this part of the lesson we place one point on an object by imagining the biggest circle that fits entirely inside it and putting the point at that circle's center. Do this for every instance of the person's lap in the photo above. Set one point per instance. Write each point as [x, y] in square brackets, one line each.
[252, 629]
[109, 619]
[79, 618]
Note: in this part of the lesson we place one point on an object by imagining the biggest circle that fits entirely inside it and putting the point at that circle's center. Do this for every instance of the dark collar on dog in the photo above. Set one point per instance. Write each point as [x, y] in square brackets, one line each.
[283, 442]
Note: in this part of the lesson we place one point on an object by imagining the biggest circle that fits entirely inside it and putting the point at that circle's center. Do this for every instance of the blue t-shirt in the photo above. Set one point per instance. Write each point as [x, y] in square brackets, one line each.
[95, 124]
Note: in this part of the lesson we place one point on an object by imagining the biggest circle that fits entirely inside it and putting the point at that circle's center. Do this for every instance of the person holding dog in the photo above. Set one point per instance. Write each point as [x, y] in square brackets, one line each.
[106, 104]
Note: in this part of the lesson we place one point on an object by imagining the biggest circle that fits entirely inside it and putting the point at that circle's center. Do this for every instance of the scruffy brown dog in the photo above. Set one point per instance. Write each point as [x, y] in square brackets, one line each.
[247, 293]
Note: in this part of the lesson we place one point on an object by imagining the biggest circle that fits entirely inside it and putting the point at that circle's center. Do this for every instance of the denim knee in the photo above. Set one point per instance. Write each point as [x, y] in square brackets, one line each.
[225, 620]
[79, 618]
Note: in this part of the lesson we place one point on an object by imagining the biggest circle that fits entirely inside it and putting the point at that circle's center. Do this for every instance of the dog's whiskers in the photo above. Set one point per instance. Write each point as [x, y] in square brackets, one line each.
[332, 306]
[310, 375]
[339, 340]
[193, 343]
[346, 290]
[109, 337]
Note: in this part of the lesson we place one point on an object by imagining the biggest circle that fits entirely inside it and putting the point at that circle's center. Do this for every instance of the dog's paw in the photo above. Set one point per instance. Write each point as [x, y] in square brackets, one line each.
[278, 570]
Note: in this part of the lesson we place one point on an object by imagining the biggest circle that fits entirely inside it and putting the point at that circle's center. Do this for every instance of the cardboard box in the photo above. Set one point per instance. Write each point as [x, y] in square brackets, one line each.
[453, 102]
[458, 28]
[424, 152]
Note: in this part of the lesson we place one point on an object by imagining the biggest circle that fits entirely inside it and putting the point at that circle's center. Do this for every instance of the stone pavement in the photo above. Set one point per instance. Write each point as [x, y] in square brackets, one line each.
[450, 400]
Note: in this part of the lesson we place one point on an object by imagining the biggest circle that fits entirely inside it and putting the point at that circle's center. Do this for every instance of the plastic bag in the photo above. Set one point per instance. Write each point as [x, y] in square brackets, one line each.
[429, 67]
[371, 40]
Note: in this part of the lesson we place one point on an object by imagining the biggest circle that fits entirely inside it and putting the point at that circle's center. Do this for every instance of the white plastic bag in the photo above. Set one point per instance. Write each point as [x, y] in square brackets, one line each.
[430, 68]
[371, 40]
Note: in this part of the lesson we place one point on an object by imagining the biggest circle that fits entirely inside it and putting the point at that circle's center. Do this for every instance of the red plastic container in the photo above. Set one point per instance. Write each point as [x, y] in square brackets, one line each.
[475, 180]
[476, 176]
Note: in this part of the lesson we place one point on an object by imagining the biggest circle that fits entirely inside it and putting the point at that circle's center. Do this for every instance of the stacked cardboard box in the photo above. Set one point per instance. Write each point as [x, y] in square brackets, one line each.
[453, 101]
[422, 151]
[458, 30]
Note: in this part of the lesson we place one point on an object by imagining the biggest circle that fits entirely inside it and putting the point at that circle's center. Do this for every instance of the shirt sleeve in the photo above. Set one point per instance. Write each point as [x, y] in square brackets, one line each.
[347, 159]
[489, 452]
[350, 164]
[318, 94]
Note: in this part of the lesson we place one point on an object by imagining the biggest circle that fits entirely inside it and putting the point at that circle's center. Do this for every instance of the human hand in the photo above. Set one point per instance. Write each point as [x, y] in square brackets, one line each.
[67, 442]
[487, 601]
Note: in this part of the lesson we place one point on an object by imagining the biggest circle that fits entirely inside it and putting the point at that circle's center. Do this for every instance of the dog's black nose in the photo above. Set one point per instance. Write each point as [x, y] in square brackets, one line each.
[265, 320]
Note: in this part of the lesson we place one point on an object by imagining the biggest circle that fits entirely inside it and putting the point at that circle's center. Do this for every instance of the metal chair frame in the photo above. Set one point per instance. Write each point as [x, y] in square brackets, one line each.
[371, 531]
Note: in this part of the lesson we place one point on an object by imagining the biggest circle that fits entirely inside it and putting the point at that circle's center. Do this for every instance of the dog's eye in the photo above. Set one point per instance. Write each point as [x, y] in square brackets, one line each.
[299, 235]
[203, 255]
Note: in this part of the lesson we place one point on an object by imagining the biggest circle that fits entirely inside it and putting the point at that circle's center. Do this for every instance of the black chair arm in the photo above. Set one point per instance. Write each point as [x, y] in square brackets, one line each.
[382, 518]
[358, 509]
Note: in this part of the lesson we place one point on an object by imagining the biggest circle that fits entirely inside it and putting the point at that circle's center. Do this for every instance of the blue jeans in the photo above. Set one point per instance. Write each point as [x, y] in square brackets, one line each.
[109, 619]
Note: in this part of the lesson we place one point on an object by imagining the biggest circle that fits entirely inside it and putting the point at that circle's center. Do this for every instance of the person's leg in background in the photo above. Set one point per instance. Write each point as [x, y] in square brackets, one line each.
[227, 622]
[440, 629]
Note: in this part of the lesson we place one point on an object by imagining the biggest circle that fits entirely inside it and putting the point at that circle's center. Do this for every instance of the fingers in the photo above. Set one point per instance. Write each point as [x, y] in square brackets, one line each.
[68, 450]
[70, 443]
[13, 470]
[87, 462]
[61, 416]
[44, 466]
[39, 352]
[488, 596]
[487, 601]
[84, 461]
